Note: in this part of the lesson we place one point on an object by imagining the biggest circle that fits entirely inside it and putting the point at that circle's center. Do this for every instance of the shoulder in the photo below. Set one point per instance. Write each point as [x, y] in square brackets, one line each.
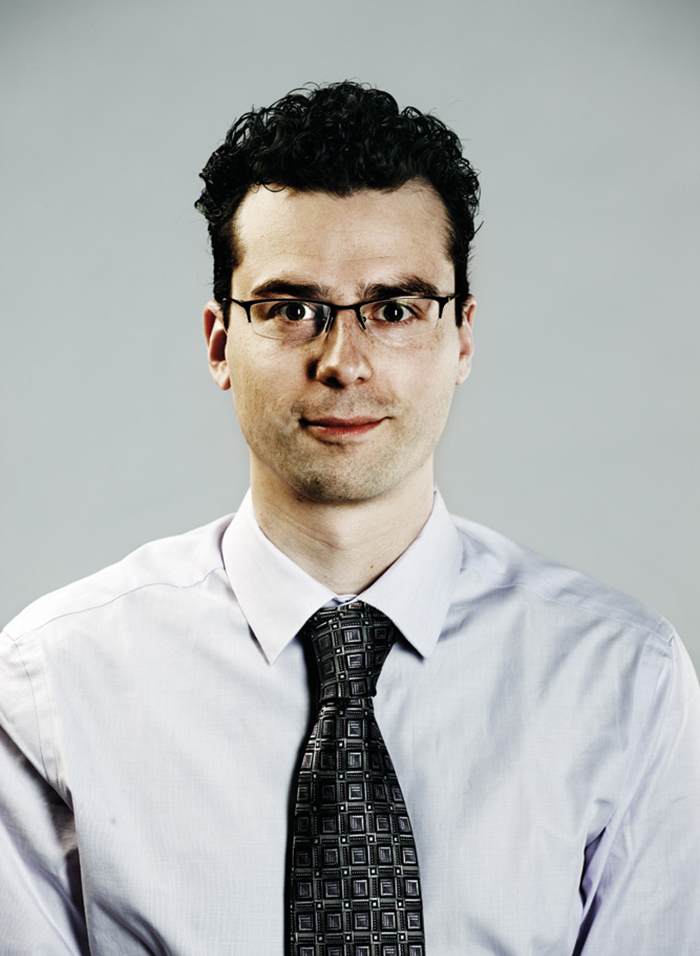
[552, 633]
[494, 564]
[177, 562]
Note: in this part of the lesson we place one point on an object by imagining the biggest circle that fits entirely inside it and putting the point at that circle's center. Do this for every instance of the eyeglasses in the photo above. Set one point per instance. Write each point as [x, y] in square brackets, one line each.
[392, 321]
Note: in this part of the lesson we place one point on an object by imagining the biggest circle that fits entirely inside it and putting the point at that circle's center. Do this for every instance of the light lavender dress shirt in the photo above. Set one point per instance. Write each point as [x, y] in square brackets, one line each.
[545, 730]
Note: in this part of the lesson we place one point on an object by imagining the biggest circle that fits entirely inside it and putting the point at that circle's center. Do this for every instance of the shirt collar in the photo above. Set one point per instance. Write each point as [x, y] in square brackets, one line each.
[277, 597]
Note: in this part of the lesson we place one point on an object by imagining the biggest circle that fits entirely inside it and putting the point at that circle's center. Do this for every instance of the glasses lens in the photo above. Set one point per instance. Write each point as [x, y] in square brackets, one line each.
[289, 319]
[397, 320]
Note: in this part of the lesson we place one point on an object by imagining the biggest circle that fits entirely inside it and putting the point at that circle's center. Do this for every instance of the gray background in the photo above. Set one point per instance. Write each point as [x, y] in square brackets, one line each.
[577, 433]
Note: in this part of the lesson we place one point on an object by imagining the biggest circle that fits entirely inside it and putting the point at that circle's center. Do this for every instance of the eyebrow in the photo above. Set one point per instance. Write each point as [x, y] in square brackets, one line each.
[288, 287]
[401, 285]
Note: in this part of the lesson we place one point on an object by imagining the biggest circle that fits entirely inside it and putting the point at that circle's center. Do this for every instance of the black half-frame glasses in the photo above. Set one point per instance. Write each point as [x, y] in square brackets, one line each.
[392, 320]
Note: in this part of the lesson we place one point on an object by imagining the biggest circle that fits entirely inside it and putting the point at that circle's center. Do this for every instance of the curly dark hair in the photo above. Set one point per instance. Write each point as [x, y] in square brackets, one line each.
[337, 138]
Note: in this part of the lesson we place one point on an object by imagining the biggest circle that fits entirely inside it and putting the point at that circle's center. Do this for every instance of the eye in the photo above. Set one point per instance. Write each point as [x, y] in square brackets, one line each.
[290, 310]
[395, 310]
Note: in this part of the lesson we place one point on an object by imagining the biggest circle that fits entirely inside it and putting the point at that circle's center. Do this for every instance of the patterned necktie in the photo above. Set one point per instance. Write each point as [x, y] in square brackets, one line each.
[355, 887]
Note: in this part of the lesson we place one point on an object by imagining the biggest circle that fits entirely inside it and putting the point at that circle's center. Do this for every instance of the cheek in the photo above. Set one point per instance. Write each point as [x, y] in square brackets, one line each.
[432, 390]
[245, 387]
[433, 374]
[249, 394]
[260, 393]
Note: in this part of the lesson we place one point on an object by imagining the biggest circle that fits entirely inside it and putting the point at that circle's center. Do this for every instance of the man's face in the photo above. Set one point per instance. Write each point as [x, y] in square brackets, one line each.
[343, 417]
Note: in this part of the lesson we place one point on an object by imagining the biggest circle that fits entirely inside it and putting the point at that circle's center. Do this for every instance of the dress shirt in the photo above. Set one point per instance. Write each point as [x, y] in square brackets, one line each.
[545, 731]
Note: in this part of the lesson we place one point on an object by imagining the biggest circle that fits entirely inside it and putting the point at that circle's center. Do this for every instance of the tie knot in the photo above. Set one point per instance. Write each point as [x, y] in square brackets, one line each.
[351, 644]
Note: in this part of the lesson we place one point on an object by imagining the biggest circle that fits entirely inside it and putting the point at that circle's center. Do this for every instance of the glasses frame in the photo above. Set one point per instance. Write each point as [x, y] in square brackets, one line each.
[333, 309]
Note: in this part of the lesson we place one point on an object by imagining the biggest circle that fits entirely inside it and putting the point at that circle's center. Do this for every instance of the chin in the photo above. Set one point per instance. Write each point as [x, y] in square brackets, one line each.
[340, 488]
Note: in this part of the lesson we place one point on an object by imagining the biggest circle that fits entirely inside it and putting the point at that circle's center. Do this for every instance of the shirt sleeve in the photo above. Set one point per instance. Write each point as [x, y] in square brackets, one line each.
[641, 884]
[40, 902]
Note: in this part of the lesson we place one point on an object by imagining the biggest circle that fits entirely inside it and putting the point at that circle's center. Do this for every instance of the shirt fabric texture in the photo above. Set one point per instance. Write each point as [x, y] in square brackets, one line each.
[545, 730]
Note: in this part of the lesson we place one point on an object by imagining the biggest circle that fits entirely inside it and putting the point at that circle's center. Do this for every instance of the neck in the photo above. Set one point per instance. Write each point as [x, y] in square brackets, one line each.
[343, 545]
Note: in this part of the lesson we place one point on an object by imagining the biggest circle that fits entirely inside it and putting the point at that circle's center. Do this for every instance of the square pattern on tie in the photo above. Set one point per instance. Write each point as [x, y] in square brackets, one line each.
[355, 884]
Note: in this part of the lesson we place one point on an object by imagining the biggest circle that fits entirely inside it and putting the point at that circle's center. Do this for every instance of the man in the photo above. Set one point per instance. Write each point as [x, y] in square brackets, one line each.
[192, 759]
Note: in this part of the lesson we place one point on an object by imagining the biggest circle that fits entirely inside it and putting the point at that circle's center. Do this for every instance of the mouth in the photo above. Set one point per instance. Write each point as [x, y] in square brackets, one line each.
[332, 427]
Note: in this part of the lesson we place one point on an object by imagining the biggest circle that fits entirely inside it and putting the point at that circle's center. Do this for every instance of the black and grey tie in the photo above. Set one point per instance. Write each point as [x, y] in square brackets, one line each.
[354, 887]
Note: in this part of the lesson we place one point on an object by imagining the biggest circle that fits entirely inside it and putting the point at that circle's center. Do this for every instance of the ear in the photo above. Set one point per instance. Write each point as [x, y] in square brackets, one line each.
[217, 336]
[466, 339]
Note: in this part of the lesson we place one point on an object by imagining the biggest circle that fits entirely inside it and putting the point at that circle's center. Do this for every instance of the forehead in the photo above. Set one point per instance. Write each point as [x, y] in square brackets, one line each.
[342, 241]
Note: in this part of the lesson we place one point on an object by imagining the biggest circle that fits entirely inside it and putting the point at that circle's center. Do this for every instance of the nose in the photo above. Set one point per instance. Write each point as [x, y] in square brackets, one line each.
[344, 353]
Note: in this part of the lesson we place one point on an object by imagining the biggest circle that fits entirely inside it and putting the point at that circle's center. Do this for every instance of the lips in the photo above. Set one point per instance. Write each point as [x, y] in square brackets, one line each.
[332, 427]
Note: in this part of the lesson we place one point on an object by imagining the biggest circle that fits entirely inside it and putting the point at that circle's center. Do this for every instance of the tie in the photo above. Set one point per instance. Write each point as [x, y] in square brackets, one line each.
[355, 887]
